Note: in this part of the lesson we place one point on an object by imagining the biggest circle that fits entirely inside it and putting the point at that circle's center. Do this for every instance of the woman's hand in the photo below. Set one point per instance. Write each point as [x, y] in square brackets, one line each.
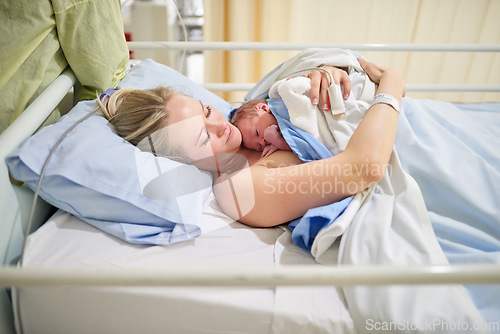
[383, 75]
[320, 81]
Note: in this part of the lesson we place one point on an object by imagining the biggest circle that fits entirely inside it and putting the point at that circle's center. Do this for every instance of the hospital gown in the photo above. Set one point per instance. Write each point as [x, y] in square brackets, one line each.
[38, 39]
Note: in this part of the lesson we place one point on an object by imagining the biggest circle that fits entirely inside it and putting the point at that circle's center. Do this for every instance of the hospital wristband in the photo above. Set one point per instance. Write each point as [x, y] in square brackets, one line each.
[386, 99]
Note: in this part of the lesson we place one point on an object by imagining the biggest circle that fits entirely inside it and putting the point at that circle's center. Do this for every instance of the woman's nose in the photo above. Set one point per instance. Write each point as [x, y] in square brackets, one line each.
[216, 126]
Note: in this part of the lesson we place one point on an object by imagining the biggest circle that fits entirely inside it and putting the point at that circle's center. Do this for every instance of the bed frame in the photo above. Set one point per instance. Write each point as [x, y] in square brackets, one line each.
[16, 202]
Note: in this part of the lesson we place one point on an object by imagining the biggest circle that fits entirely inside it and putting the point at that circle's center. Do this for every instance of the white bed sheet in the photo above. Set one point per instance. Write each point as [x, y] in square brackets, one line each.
[66, 241]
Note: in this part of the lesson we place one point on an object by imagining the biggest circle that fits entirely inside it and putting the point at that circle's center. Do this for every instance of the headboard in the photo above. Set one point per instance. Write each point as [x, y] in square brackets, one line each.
[16, 200]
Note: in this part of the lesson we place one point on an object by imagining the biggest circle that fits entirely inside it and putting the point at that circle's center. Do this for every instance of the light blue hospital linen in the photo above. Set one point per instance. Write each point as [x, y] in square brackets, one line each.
[391, 225]
[454, 156]
[453, 152]
[307, 148]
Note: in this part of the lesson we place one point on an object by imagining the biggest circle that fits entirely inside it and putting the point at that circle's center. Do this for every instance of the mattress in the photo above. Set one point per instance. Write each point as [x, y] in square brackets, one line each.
[66, 241]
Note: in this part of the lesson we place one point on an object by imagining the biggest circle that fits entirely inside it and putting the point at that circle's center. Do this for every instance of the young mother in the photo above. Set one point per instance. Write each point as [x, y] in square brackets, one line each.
[254, 190]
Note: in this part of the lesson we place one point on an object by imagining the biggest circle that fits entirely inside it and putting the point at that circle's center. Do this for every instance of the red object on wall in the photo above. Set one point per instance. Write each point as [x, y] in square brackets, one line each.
[128, 38]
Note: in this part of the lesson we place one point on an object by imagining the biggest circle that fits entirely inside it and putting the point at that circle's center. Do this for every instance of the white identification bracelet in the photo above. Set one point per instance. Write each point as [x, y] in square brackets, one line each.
[386, 99]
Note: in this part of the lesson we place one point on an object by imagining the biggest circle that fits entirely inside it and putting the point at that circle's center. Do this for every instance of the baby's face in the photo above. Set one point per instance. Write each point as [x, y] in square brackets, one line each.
[252, 128]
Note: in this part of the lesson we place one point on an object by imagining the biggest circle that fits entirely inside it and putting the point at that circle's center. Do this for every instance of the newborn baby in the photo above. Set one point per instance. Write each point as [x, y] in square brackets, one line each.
[259, 128]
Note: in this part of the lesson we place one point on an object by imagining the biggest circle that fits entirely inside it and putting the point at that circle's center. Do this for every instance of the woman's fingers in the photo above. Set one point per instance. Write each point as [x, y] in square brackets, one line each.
[379, 73]
[320, 81]
[325, 100]
[315, 77]
[373, 70]
[345, 81]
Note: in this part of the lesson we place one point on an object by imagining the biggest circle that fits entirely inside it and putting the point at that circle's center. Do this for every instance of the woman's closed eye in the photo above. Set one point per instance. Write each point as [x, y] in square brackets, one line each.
[207, 115]
[206, 141]
[209, 111]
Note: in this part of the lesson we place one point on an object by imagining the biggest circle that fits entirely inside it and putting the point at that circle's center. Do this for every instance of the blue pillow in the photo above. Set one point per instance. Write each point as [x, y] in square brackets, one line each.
[102, 179]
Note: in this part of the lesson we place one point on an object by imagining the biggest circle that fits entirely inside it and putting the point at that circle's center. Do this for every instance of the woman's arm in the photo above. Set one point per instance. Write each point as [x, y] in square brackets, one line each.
[374, 138]
[279, 188]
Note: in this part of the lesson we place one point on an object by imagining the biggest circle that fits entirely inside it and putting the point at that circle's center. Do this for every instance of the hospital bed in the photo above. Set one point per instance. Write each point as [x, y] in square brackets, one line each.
[225, 277]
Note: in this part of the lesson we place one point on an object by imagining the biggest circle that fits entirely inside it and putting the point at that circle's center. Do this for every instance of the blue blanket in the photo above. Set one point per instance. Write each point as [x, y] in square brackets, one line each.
[307, 148]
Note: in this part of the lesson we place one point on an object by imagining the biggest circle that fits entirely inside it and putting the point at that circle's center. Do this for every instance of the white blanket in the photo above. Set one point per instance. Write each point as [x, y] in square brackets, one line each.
[387, 224]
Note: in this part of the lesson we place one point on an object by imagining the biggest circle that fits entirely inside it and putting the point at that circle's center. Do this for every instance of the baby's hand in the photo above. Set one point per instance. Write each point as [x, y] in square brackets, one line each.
[272, 135]
[268, 150]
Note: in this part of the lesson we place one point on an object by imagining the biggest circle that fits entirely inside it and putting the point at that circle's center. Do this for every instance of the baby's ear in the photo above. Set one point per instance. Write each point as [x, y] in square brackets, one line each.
[263, 107]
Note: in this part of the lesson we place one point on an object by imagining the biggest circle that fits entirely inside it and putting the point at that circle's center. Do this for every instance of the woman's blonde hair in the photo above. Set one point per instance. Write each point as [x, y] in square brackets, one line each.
[138, 116]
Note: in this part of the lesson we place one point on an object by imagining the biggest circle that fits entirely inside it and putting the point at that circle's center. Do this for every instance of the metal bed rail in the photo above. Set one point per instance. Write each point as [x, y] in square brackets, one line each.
[290, 46]
[23, 127]
[344, 275]
[233, 87]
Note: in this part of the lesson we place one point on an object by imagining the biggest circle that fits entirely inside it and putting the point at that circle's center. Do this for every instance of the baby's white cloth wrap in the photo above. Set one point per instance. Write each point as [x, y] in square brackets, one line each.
[385, 224]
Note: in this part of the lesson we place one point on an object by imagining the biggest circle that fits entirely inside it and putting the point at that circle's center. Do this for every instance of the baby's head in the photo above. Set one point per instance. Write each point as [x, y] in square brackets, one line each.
[253, 118]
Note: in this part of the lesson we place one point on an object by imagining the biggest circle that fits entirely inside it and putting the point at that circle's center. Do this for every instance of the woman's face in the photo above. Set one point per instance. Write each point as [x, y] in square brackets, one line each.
[201, 131]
